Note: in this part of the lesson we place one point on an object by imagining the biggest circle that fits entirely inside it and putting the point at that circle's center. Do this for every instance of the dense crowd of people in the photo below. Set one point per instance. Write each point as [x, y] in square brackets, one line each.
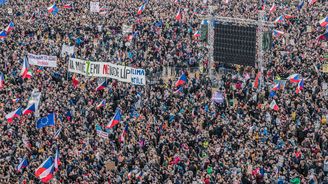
[172, 137]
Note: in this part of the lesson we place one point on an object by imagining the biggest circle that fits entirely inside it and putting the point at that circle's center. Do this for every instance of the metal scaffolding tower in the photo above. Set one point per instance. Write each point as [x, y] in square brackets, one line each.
[260, 23]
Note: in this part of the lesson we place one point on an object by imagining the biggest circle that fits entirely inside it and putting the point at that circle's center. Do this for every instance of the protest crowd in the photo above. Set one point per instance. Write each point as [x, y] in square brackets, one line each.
[268, 127]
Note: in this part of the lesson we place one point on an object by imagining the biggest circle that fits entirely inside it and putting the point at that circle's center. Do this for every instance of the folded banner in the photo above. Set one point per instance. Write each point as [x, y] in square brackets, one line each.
[42, 60]
[35, 99]
[100, 69]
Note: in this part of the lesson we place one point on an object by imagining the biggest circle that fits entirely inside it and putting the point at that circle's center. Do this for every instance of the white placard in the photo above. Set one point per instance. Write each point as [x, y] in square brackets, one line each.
[42, 60]
[94, 7]
[135, 76]
[126, 29]
[67, 49]
[10, 11]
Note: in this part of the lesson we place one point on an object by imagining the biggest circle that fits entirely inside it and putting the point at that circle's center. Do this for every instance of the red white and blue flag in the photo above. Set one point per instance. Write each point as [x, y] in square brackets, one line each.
[279, 19]
[101, 86]
[311, 2]
[67, 6]
[141, 9]
[276, 87]
[46, 170]
[23, 164]
[30, 109]
[3, 34]
[181, 81]
[300, 86]
[2, 81]
[101, 104]
[116, 119]
[53, 9]
[294, 78]
[197, 34]
[323, 36]
[26, 72]
[274, 106]
[257, 80]
[57, 160]
[273, 8]
[277, 33]
[178, 16]
[324, 22]
[10, 27]
[14, 114]
[179, 90]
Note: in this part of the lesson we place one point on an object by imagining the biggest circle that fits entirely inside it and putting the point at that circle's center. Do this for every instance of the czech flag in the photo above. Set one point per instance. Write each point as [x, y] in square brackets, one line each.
[10, 27]
[15, 100]
[101, 104]
[57, 161]
[179, 90]
[178, 16]
[139, 175]
[124, 133]
[3, 34]
[141, 9]
[116, 119]
[273, 8]
[289, 16]
[102, 86]
[182, 80]
[300, 86]
[277, 33]
[2, 81]
[324, 22]
[311, 2]
[300, 5]
[279, 19]
[294, 78]
[75, 81]
[22, 164]
[29, 109]
[276, 87]
[257, 80]
[274, 106]
[46, 170]
[323, 36]
[197, 34]
[25, 73]
[67, 6]
[14, 114]
[53, 9]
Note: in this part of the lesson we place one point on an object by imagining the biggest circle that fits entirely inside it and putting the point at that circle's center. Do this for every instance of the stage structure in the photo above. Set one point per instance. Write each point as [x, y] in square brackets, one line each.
[235, 40]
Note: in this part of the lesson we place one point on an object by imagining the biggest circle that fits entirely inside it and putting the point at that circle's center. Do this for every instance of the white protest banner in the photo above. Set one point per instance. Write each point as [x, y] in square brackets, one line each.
[100, 69]
[42, 60]
[126, 29]
[94, 7]
[67, 49]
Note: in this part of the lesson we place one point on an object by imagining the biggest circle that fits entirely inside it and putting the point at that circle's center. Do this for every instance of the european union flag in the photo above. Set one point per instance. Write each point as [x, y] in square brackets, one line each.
[2, 2]
[46, 121]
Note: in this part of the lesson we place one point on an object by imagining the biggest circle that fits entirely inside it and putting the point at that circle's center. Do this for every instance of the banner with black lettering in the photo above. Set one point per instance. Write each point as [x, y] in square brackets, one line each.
[100, 69]
[42, 60]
